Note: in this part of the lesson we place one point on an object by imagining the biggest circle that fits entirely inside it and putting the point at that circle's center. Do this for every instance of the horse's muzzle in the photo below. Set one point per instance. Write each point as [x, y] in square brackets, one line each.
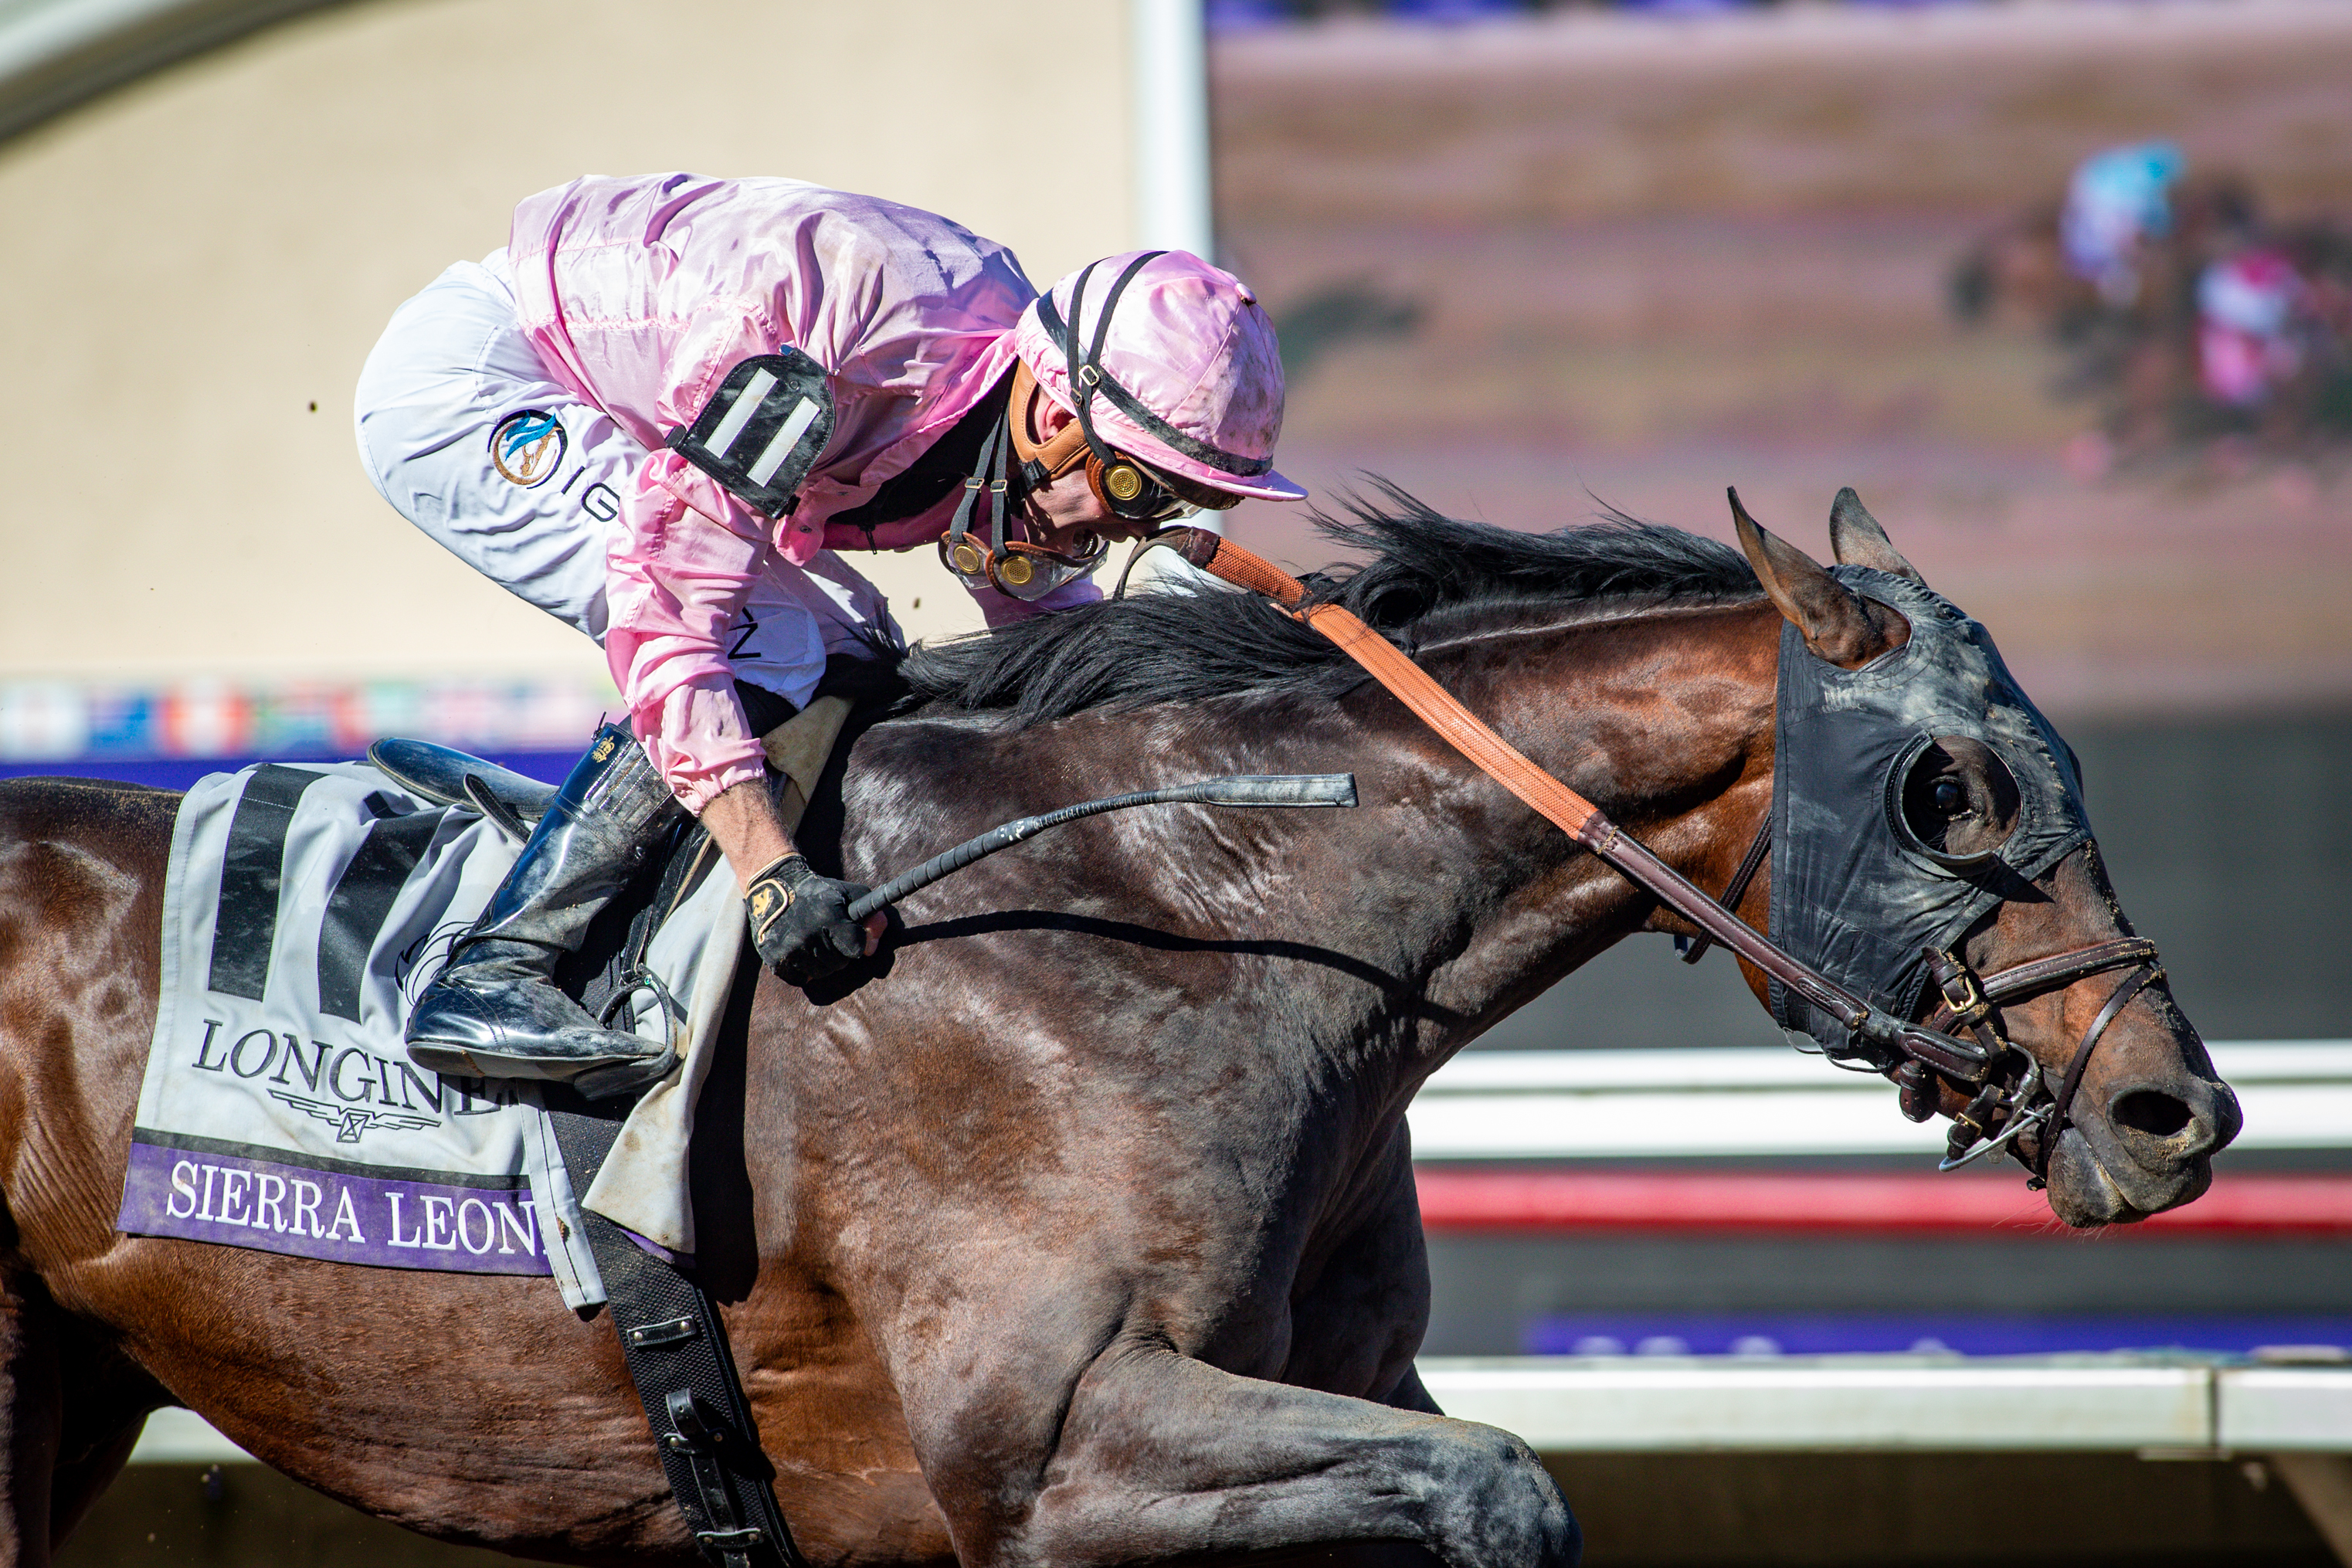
[2149, 1147]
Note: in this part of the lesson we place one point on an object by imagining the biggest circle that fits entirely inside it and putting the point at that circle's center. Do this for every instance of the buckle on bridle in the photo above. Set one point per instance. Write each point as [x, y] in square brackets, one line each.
[1963, 992]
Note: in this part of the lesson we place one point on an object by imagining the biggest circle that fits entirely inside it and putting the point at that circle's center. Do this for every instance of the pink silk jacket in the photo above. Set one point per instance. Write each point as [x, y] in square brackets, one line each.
[641, 293]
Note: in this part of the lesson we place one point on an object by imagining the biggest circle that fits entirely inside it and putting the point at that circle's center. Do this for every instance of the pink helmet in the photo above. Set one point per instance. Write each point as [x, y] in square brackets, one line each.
[1178, 368]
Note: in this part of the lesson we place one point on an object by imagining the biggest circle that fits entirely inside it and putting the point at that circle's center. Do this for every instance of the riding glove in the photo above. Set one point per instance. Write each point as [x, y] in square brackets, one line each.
[800, 920]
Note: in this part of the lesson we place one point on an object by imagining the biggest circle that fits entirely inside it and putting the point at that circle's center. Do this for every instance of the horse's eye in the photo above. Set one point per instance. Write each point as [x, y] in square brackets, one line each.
[1953, 800]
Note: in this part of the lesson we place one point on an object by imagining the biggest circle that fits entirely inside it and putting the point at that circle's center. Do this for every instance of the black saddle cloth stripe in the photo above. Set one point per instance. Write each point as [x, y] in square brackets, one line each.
[362, 900]
[244, 921]
[723, 1487]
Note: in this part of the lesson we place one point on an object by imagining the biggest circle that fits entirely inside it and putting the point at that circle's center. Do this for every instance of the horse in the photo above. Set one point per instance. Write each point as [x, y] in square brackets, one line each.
[1078, 1225]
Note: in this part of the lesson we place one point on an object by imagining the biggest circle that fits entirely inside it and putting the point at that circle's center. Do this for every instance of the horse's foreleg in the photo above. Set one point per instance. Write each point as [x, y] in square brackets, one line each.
[80, 1479]
[1159, 1455]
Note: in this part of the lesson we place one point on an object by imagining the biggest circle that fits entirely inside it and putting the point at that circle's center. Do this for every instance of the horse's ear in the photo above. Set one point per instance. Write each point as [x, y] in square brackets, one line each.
[1837, 623]
[1857, 539]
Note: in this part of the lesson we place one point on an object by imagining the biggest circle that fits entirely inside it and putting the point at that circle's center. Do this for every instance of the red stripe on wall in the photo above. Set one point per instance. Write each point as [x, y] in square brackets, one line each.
[1525, 1201]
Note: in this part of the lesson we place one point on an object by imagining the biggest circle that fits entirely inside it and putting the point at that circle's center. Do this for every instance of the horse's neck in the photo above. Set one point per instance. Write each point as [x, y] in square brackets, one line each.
[1375, 941]
[1662, 718]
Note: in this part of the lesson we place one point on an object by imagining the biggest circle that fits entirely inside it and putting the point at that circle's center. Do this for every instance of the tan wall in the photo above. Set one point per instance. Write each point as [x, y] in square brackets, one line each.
[188, 266]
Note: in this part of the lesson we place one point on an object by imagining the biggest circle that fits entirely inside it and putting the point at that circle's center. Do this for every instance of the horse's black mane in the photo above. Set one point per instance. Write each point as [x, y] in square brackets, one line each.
[1184, 648]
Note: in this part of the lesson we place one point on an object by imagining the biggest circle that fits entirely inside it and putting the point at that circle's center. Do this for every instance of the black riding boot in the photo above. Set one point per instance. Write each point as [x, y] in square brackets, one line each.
[494, 1010]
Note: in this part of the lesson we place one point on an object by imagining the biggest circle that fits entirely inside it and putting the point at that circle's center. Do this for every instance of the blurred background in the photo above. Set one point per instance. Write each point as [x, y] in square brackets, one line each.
[2061, 290]
[2064, 287]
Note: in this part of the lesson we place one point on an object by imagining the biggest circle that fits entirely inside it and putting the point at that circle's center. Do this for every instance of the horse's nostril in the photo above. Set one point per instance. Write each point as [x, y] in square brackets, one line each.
[2146, 1110]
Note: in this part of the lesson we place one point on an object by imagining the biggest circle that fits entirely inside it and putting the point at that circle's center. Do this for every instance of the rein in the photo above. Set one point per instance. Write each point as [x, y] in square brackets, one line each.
[1912, 1055]
[1887, 1041]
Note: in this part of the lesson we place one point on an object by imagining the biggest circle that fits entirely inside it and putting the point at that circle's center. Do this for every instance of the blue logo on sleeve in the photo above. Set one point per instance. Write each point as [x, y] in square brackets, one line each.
[528, 447]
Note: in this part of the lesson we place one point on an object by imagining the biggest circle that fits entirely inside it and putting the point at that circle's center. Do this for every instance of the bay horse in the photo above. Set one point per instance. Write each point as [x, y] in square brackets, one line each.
[1078, 1227]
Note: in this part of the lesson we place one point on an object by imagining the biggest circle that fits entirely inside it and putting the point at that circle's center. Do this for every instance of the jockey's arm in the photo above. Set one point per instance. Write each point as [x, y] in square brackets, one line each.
[675, 581]
[742, 823]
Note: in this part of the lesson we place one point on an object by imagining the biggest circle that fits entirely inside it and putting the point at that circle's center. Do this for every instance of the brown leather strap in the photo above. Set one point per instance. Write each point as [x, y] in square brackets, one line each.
[1495, 757]
[2063, 1102]
[1059, 455]
[1221, 557]
[1736, 889]
[1577, 818]
[2049, 973]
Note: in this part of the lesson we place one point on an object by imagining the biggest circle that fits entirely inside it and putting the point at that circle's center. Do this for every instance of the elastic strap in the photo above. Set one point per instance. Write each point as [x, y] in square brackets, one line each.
[992, 453]
[971, 486]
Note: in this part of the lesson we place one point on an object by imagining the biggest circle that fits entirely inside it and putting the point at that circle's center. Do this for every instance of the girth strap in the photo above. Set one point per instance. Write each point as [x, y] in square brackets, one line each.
[1879, 1037]
[672, 1336]
[676, 1347]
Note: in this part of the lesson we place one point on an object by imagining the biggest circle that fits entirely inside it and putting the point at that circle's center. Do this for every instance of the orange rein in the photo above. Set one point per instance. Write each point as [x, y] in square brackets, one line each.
[1577, 818]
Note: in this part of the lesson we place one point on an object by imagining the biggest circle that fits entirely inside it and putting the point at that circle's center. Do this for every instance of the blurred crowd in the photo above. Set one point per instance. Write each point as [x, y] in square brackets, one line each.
[2189, 312]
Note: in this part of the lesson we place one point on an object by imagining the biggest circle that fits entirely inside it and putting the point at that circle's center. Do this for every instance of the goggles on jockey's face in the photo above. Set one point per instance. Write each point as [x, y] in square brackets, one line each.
[1025, 570]
[1128, 489]
[1015, 566]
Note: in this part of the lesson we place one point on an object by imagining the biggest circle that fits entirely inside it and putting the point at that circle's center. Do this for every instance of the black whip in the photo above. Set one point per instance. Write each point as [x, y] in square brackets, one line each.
[1241, 789]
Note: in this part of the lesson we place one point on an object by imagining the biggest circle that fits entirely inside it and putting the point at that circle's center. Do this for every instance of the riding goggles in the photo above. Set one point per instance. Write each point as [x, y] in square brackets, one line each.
[1129, 490]
[1013, 566]
[1022, 570]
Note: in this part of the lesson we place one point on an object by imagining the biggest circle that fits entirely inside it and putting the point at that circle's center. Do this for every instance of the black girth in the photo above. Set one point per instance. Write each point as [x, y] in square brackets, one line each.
[671, 1333]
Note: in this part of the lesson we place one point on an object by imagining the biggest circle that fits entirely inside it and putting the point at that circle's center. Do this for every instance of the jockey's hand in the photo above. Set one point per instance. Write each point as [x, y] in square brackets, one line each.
[800, 920]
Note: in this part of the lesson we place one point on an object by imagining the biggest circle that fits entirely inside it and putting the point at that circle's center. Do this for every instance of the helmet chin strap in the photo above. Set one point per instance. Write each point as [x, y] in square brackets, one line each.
[1042, 462]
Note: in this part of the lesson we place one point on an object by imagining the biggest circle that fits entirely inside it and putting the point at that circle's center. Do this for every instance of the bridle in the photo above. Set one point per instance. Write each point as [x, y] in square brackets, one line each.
[2003, 1109]
[2018, 1100]
[1914, 1055]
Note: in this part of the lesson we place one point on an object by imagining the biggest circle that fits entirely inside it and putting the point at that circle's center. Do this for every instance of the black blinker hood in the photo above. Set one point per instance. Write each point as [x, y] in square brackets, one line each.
[1849, 896]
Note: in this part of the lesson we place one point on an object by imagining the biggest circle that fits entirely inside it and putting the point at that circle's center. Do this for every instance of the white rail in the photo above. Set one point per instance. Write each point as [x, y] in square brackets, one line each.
[1756, 1100]
[2097, 1402]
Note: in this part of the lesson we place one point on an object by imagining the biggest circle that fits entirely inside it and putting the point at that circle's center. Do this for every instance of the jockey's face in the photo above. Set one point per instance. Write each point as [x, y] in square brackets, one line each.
[1068, 507]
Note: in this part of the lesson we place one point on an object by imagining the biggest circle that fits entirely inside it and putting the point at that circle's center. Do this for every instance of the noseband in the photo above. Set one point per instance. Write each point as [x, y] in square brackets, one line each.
[2004, 1109]
[2006, 1106]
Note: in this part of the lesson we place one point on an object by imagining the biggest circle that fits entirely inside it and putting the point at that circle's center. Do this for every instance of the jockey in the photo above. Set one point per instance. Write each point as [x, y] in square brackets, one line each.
[2118, 200]
[659, 412]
